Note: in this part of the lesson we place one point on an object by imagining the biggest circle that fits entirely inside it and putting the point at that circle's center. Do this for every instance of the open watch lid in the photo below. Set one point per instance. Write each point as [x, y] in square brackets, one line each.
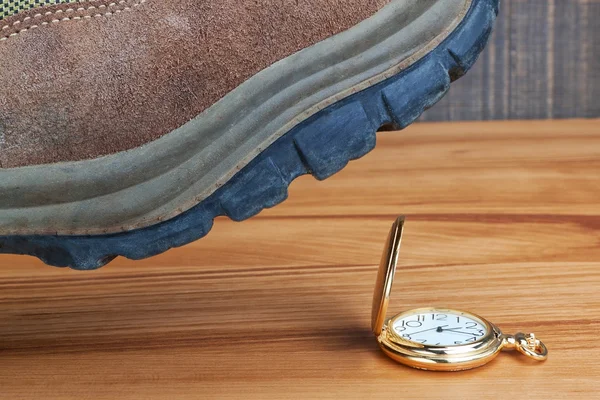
[385, 276]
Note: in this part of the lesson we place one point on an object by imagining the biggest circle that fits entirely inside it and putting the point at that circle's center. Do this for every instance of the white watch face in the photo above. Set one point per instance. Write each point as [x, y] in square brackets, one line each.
[439, 328]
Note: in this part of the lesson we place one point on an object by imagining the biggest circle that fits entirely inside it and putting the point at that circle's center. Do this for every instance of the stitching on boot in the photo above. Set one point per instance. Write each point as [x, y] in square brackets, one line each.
[62, 15]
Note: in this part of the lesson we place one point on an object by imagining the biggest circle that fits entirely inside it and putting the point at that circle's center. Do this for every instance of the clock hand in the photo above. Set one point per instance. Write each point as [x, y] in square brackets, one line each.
[438, 328]
[455, 331]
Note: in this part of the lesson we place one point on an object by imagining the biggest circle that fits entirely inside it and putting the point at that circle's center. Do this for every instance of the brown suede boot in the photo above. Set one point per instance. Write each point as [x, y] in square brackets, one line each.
[126, 126]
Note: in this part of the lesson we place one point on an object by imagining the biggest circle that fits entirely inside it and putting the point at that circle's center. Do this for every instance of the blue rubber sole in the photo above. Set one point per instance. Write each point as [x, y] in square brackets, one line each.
[321, 146]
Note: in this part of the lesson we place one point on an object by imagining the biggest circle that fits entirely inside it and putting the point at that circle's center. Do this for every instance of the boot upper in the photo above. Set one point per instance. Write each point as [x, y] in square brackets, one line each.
[85, 79]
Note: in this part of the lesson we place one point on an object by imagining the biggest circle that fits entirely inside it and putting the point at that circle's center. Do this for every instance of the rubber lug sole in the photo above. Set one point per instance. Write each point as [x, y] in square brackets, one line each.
[321, 146]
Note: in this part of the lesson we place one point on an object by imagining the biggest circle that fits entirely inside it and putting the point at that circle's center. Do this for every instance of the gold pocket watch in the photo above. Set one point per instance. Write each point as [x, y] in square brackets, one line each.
[438, 339]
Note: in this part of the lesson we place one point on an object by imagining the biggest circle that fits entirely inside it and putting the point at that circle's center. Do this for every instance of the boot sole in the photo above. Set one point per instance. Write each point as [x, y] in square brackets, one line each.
[320, 145]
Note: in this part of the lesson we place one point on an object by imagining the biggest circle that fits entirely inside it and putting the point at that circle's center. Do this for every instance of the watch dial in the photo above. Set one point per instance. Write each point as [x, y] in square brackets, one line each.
[439, 328]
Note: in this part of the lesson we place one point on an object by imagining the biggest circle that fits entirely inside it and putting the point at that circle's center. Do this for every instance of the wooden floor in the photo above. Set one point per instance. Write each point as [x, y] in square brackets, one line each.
[503, 219]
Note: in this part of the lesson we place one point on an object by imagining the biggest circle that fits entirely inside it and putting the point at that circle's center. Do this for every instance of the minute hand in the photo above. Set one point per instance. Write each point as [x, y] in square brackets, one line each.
[454, 330]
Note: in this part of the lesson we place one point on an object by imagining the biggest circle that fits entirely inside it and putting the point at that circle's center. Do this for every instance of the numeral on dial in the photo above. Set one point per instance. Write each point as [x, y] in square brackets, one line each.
[439, 317]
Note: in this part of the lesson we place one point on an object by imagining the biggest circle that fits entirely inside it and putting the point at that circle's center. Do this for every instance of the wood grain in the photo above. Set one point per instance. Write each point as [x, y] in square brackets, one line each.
[503, 220]
[543, 61]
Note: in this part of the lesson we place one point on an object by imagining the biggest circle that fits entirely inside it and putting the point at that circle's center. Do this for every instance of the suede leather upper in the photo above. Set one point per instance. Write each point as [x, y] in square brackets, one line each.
[86, 83]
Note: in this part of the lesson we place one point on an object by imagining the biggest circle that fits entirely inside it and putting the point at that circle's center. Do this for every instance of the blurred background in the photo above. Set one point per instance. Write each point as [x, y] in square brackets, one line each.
[543, 61]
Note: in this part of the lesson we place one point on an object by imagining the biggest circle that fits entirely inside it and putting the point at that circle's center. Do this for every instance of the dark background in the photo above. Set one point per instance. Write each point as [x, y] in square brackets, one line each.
[543, 61]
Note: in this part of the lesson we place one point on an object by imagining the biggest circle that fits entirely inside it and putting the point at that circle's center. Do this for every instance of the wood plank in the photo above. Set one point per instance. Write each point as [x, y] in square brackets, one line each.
[542, 61]
[503, 220]
[508, 168]
[529, 78]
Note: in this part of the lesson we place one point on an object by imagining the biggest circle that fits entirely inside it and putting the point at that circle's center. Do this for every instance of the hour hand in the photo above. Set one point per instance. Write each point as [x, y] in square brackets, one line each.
[437, 328]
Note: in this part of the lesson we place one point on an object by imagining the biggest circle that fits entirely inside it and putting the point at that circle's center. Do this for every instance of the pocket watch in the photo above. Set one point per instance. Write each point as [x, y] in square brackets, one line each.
[438, 339]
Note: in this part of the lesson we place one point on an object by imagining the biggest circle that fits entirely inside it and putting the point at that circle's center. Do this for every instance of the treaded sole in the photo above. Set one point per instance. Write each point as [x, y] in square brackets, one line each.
[321, 146]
